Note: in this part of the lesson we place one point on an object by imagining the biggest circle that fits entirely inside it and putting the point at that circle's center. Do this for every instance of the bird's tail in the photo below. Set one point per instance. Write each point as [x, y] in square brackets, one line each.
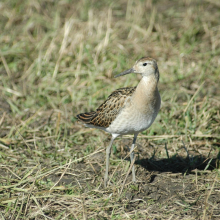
[86, 117]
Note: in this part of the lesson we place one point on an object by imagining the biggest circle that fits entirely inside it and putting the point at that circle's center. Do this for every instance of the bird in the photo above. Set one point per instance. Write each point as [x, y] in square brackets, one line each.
[129, 110]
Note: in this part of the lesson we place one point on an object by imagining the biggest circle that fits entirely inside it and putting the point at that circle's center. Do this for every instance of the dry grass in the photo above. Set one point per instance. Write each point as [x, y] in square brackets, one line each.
[58, 58]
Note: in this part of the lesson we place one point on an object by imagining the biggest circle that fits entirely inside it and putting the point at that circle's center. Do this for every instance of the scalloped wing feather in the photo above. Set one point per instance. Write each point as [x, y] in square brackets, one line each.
[106, 113]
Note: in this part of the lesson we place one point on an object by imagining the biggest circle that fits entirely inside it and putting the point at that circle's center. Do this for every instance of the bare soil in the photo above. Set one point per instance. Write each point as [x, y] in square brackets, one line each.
[182, 185]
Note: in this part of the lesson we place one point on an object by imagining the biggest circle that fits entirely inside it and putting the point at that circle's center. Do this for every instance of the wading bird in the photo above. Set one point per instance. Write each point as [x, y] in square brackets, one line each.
[128, 110]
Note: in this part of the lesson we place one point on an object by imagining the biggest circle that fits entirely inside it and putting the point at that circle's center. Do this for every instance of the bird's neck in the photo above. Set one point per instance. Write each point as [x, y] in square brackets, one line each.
[147, 85]
[146, 90]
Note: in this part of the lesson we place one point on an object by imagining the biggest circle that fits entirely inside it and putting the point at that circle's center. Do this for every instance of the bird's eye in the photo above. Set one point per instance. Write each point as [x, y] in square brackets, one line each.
[144, 64]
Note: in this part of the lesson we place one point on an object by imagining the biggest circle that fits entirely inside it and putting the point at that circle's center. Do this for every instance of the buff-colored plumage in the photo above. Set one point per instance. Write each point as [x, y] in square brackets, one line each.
[106, 113]
[128, 110]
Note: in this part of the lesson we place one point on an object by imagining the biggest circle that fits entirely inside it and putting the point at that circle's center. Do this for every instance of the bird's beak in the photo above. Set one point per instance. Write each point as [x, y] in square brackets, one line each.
[125, 72]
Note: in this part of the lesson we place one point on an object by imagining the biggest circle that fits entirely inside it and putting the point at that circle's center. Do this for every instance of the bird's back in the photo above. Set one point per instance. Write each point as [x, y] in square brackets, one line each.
[106, 113]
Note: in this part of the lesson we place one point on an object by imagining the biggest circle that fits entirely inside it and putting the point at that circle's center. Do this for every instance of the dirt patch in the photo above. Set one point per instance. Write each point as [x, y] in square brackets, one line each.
[164, 186]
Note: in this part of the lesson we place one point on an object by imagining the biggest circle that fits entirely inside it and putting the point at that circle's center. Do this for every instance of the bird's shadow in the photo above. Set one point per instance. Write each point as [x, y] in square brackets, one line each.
[179, 164]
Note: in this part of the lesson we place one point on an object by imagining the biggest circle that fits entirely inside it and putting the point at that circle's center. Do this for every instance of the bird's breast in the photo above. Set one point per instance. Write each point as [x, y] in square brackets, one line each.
[133, 119]
[140, 110]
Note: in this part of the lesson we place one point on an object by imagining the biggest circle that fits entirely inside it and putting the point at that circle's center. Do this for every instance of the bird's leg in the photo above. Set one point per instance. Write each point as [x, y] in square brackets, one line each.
[132, 156]
[108, 152]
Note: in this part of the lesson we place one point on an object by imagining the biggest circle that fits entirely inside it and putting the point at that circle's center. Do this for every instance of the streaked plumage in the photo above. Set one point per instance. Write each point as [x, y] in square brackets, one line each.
[128, 110]
[106, 113]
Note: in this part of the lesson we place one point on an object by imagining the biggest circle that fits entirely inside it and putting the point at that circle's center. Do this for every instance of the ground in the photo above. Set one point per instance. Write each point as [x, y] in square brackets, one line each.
[58, 59]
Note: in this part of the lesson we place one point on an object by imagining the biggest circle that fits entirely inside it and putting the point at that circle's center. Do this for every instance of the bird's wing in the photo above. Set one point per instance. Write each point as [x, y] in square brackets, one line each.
[106, 113]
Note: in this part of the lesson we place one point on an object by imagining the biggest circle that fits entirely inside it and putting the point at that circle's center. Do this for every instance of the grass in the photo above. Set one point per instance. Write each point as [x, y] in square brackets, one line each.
[57, 59]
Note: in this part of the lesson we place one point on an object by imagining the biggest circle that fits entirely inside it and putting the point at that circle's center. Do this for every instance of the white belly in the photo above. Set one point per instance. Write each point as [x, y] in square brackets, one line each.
[131, 121]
